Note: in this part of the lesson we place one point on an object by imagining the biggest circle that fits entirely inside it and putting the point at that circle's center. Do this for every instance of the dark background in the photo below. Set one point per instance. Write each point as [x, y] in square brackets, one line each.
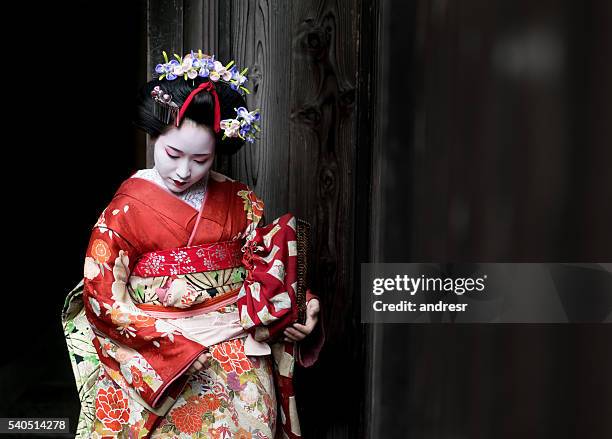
[481, 133]
[498, 117]
[71, 145]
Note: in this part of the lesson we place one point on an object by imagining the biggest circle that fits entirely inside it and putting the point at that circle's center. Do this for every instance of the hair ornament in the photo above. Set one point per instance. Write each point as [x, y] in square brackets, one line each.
[194, 65]
[164, 109]
[246, 123]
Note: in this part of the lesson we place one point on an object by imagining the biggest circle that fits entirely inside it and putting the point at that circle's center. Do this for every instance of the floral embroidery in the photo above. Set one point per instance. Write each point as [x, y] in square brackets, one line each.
[210, 403]
[204, 257]
[233, 382]
[100, 251]
[231, 356]
[181, 256]
[101, 254]
[250, 394]
[122, 355]
[187, 418]
[112, 408]
[151, 265]
[253, 206]
[134, 368]
[215, 433]
[220, 253]
[137, 381]
[182, 294]
[91, 269]
[219, 411]
[166, 330]
[121, 319]
[197, 403]
[121, 273]
[142, 320]
[243, 434]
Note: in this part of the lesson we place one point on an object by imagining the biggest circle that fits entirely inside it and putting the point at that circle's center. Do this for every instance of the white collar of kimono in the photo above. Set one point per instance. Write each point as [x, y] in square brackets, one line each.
[193, 196]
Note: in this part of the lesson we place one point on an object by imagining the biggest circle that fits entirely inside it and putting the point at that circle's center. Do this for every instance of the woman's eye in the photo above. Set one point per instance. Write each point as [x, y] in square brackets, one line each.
[201, 162]
[172, 156]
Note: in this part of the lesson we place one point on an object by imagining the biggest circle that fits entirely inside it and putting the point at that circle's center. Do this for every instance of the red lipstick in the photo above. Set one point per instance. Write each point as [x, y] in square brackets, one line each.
[179, 183]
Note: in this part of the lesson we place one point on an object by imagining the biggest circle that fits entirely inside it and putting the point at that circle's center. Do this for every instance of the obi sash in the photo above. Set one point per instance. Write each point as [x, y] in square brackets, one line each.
[265, 287]
[213, 273]
[215, 256]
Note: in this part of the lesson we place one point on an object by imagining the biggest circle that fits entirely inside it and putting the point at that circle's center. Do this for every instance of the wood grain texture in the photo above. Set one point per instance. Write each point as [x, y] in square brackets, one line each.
[324, 77]
[259, 40]
[164, 32]
[201, 25]
[303, 58]
[193, 24]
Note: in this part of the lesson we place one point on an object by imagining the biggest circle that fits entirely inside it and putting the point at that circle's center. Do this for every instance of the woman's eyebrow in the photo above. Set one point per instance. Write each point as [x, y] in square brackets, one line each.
[183, 152]
[175, 149]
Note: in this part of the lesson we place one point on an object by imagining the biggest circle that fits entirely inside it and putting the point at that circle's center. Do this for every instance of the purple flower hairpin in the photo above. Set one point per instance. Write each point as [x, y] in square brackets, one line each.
[194, 65]
[245, 125]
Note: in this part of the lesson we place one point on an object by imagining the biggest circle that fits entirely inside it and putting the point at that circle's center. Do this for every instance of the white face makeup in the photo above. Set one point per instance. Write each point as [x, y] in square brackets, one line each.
[184, 155]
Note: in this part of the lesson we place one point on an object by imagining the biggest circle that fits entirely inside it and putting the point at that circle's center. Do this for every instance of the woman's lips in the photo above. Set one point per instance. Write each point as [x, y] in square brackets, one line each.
[179, 183]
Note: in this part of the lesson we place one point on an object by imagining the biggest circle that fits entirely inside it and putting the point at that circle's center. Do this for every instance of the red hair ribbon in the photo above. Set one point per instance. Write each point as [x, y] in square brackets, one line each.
[207, 86]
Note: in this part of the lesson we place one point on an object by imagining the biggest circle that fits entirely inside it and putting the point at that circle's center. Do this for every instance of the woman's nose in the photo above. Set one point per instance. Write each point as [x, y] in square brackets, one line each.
[183, 171]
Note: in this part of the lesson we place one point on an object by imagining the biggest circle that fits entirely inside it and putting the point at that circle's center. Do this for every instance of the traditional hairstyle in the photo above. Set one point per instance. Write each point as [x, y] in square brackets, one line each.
[188, 88]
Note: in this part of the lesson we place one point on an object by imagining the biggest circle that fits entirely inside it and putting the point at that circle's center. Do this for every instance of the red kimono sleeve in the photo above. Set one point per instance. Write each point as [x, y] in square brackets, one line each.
[138, 351]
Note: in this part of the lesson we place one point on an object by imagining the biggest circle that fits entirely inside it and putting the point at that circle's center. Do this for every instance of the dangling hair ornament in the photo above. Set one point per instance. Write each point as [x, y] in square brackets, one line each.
[245, 125]
[164, 109]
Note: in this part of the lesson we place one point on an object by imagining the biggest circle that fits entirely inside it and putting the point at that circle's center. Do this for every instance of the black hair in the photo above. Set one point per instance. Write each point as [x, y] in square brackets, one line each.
[200, 110]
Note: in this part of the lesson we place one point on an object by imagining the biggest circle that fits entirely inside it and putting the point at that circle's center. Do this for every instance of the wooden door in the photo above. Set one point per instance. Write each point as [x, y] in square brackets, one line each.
[308, 72]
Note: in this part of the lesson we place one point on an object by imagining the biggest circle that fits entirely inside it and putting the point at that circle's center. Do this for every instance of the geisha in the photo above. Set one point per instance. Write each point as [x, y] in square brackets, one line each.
[186, 322]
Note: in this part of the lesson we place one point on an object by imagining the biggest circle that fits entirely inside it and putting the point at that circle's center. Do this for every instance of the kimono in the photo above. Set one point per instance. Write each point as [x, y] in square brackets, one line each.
[148, 306]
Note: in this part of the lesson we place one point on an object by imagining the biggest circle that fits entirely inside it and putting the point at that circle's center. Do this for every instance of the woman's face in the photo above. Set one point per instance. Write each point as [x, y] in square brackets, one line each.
[184, 155]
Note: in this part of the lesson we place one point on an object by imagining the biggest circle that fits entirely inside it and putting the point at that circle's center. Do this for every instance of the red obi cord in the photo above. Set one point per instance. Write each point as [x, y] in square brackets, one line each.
[206, 86]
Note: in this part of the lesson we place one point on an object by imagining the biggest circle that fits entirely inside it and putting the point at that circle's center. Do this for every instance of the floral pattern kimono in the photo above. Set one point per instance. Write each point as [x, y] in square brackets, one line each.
[148, 307]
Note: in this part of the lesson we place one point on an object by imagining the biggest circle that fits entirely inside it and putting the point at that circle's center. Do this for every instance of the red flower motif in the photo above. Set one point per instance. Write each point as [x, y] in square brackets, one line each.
[211, 403]
[203, 404]
[112, 408]
[137, 381]
[197, 404]
[187, 418]
[230, 354]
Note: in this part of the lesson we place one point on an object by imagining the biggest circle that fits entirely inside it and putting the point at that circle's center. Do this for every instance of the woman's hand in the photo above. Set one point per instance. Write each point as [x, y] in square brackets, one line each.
[298, 332]
[200, 363]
